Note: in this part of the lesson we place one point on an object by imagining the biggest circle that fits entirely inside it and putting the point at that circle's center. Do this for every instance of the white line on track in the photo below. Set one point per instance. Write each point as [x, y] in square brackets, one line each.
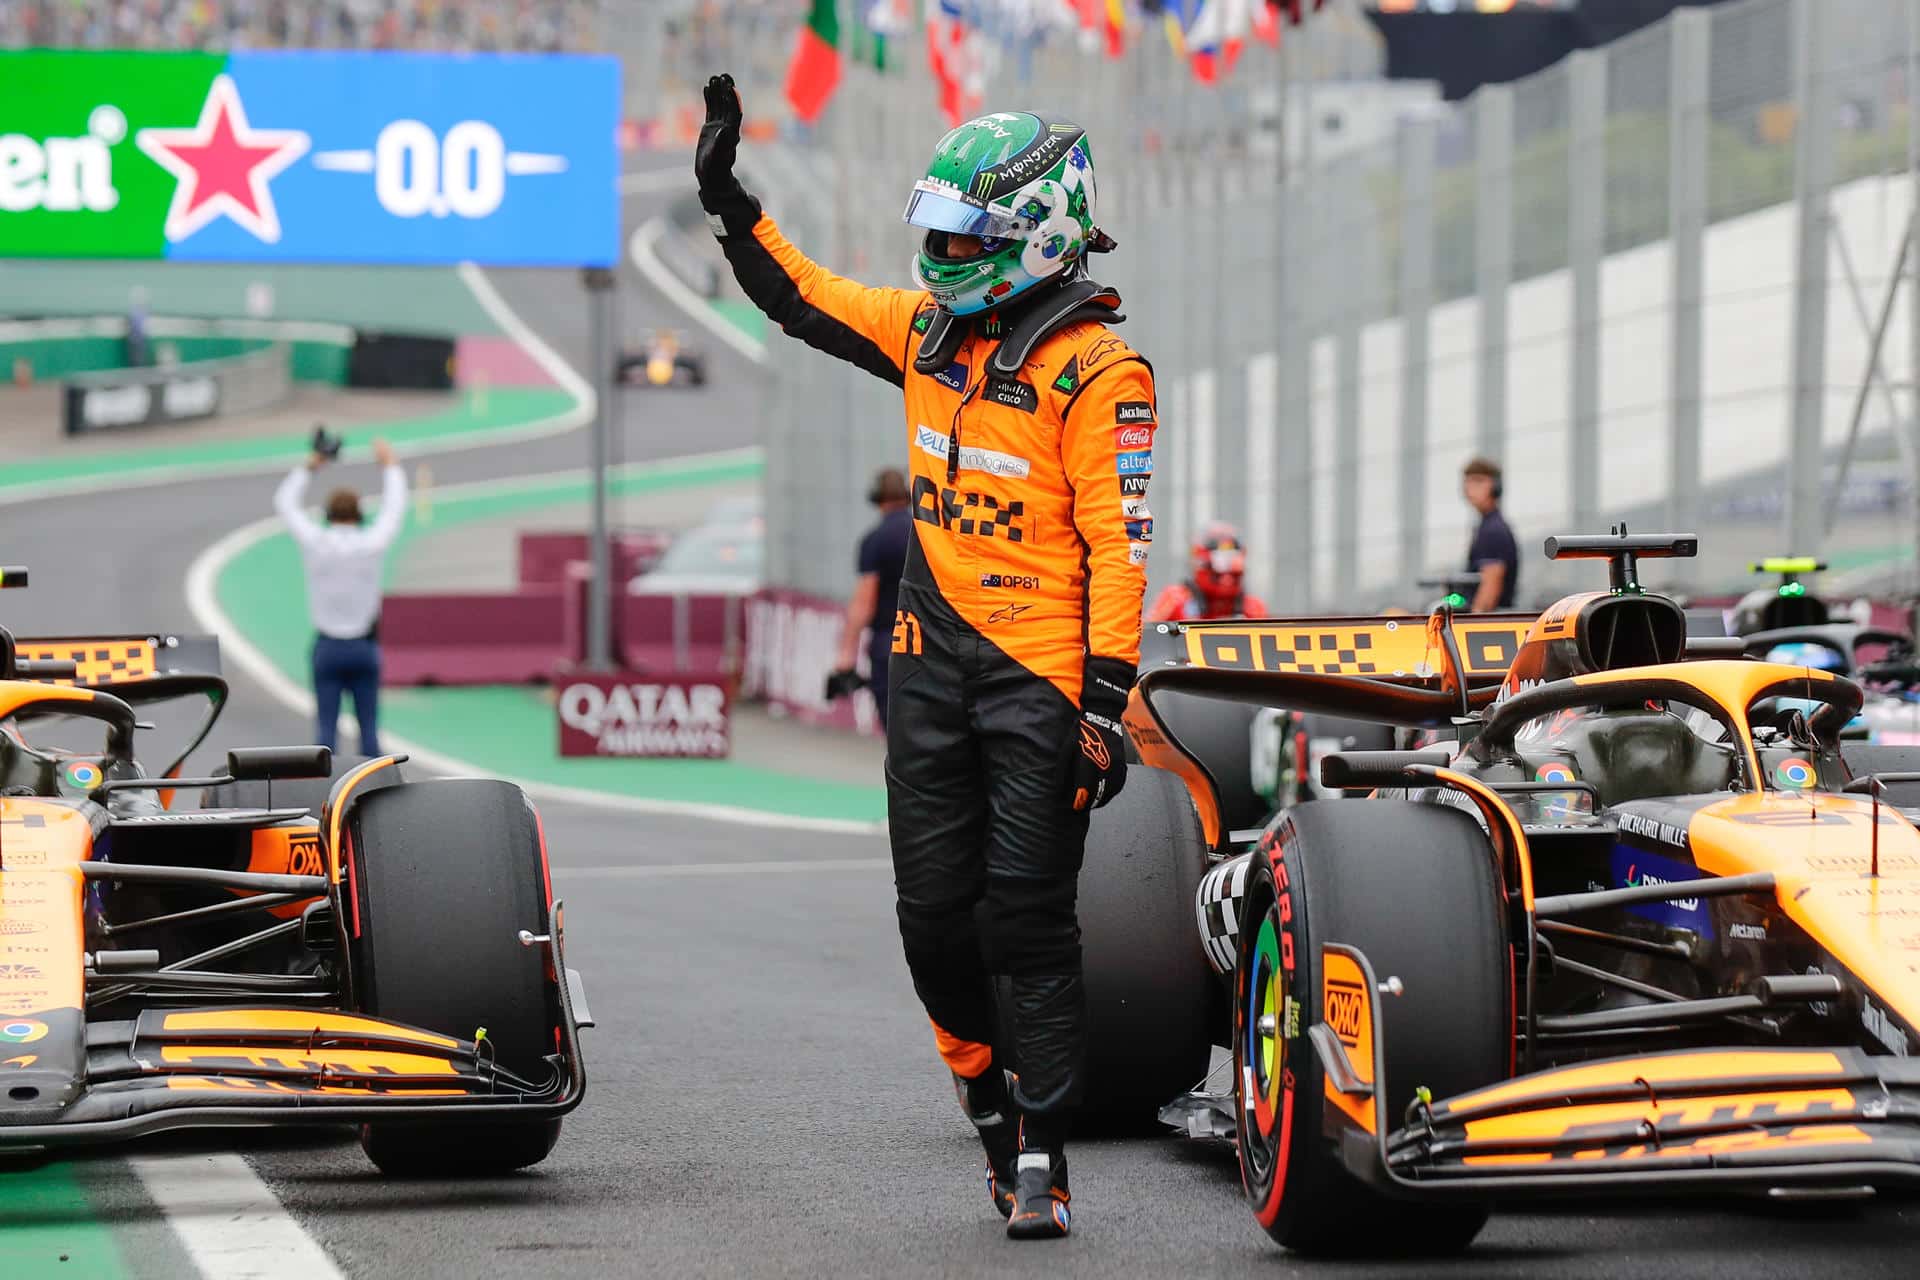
[230, 1223]
[203, 602]
[646, 259]
[652, 871]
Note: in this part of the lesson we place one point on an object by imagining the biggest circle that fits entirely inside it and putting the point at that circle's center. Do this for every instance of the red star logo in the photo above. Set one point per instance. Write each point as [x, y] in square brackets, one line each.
[222, 166]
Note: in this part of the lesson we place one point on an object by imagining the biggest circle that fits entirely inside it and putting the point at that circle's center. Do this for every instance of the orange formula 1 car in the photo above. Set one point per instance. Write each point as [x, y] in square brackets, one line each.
[1643, 925]
[375, 952]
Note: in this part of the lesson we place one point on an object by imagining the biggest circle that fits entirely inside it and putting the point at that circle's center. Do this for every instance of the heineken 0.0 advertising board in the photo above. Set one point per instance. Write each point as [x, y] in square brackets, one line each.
[310, 157]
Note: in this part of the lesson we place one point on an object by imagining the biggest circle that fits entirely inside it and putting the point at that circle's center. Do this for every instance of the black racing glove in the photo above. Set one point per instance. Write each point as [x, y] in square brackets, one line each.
[731, 209]
[844, 683]
[1100, 749]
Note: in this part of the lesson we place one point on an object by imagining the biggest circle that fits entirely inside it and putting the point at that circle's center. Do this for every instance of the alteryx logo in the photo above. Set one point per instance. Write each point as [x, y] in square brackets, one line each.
[1139, 462]
[1635, 868]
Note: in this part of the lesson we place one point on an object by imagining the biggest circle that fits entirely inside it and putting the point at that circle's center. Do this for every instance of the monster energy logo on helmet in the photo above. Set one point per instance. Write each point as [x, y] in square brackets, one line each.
[1049, 150]
[1020, 184]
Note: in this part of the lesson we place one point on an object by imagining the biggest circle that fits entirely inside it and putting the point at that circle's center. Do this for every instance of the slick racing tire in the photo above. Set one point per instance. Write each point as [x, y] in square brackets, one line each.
[288, 793]
[445, 874]
[1149, 990]
[1415, 888]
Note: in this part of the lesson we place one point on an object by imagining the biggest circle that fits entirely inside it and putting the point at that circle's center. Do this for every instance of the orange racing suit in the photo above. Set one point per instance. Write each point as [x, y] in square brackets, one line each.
[1028, 555]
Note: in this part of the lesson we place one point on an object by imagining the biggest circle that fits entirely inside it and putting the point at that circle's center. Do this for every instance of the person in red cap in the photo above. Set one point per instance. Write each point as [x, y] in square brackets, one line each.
[1216, 582]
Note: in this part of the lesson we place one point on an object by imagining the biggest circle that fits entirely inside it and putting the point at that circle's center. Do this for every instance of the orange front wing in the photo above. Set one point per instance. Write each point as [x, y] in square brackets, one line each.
[1707, 1120]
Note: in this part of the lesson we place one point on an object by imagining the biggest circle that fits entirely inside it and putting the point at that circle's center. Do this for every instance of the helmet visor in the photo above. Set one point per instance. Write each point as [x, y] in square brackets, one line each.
[935, 209]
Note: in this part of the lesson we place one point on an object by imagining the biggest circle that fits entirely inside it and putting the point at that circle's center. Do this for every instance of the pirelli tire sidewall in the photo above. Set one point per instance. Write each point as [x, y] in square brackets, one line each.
[1413, 887]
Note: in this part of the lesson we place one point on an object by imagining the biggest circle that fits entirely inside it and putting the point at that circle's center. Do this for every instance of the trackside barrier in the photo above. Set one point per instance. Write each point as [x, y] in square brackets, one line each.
[178, 393]
[792, 642]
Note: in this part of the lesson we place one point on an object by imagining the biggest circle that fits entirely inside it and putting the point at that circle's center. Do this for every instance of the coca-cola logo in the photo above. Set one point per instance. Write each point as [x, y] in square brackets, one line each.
[1133, 437]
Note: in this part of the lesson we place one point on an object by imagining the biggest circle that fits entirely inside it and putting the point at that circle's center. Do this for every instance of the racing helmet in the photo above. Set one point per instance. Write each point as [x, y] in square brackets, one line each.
[1024, 185]
[1219, 561]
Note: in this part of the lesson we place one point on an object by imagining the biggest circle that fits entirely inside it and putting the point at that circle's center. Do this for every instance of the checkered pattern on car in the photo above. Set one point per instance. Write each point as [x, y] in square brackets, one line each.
[98, 662]
[1218, 904]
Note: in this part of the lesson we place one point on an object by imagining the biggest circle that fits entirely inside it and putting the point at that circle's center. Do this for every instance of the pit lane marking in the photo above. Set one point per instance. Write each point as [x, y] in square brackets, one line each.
[229, 1222]
[793, 866]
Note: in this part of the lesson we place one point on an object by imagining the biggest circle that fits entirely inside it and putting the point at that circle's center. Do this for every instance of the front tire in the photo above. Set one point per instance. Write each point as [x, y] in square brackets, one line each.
[1415, 888]
[446, 874]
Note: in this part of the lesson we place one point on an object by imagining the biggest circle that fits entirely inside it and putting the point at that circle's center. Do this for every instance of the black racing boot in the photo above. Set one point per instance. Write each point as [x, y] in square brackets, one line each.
[1040, 1195]
[988, 1102]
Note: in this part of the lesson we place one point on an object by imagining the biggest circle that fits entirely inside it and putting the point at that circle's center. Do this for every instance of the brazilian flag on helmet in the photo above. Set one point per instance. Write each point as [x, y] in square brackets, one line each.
[1020, 183]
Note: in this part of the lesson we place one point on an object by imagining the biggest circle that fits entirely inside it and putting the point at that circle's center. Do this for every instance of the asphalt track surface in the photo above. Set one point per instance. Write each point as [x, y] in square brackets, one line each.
[764, 1099]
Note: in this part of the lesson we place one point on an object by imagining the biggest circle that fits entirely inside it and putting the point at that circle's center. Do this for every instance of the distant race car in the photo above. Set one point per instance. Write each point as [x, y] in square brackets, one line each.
[314, 945]
[1787, 623]
[662, 362]
[1638, 929]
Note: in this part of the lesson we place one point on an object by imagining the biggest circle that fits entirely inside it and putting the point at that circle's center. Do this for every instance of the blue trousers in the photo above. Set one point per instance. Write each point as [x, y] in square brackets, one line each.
[350, 666]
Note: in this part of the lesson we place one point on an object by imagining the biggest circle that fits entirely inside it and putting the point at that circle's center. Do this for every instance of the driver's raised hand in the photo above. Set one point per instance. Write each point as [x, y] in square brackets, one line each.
[734, 210]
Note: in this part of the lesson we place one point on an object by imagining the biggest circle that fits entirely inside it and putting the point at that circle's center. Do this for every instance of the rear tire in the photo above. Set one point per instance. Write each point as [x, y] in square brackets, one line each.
[1149, 989]
[446, 873]
[1416, 889]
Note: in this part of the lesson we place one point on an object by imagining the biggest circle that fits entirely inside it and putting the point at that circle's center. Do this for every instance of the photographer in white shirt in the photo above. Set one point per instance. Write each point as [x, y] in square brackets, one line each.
[344, 559]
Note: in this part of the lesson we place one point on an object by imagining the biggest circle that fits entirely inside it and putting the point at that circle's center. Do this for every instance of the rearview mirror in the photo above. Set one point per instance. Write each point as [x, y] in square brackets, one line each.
[266, 764]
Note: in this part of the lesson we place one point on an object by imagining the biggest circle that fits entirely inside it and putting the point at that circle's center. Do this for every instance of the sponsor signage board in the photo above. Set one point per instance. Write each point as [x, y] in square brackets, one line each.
[645, 717]
[322, 156]
[793, 643]
[104, 405]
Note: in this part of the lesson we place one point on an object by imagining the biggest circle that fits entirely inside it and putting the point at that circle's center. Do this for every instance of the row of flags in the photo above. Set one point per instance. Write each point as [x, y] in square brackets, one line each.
[964, 37]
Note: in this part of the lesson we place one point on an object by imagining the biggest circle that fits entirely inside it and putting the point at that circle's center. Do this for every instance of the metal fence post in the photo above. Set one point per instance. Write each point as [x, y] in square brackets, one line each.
[1263, 481]
[1913, 259]
[1350, 211]
[1812, 182]
[600, 289]
[1295, 584]
[1689, 72]
[1417, 141]
[1493, 257]
[1586, 246]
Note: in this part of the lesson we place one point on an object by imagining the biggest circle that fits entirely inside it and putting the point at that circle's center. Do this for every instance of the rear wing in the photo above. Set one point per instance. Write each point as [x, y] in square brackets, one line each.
[142, 670]
[112, 662]
[1403, 650]
[1403, 670]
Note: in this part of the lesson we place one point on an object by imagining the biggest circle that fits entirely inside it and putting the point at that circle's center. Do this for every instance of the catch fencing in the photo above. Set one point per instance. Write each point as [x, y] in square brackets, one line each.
[1657, 281]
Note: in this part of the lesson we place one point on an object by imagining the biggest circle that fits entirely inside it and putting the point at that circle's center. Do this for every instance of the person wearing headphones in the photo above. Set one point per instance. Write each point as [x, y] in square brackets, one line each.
[1493, 554]
[1216, 582]
[876, 593]
[344, 560]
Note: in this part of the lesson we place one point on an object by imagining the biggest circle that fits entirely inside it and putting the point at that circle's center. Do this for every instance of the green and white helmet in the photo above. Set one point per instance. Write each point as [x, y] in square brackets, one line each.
[1020, 182]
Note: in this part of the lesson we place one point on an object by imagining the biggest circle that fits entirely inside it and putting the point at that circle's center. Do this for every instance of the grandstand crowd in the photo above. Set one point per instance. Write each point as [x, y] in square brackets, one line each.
[443, 25]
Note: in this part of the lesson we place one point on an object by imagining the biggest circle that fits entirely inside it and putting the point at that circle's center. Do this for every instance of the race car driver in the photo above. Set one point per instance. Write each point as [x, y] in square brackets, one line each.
[1029, 438]
[1216, 582]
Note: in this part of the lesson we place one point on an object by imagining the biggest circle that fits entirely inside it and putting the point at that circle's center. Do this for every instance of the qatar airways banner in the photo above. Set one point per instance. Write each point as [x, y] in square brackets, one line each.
[644, 717]
[323, 156]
